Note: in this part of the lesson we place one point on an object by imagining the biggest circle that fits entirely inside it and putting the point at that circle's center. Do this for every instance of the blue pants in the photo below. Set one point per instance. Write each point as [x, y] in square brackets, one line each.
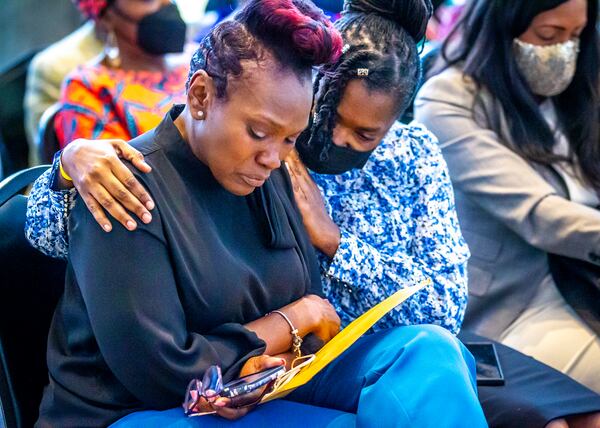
[416, 376]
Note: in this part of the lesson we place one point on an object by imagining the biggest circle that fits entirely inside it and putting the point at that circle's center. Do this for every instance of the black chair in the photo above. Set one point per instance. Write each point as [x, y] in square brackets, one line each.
[47, 141]
[29, 291]
[12, 116]
[3, 154]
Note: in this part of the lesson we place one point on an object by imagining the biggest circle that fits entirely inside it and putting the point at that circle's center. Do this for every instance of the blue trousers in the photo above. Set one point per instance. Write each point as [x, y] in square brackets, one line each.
[416, 376]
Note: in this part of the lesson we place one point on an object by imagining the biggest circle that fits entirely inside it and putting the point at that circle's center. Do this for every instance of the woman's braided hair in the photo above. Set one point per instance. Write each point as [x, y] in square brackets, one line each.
[380, 36]
[295, 33]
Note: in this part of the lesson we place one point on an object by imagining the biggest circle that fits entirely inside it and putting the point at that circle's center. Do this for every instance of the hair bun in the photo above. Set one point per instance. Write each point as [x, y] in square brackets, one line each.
[296, 24]
[412, 15]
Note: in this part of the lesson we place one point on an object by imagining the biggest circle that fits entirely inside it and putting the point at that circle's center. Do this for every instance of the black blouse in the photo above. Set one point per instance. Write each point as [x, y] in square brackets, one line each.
[146, 311]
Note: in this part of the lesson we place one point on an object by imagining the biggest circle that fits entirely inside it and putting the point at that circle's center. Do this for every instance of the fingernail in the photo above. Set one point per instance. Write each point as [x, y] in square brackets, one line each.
[150, 205]
[146, 218]
[107, 228]
[130, 224]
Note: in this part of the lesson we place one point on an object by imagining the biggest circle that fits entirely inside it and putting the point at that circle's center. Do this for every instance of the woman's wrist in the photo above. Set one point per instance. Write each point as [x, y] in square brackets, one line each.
[64, 184]
[300, 316]
[296, 339]
[64, 179]
[59, 182]
[329, 240]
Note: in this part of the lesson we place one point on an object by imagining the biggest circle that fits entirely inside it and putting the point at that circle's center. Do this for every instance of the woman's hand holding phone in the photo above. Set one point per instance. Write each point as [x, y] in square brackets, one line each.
[313, 315]
[222, 405]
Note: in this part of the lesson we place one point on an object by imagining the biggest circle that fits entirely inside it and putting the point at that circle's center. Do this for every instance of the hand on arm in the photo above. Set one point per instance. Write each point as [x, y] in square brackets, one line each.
[103, 180]
[322, 230]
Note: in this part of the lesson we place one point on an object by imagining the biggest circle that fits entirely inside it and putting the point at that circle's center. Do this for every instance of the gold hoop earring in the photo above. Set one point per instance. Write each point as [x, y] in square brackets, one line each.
[111, 50]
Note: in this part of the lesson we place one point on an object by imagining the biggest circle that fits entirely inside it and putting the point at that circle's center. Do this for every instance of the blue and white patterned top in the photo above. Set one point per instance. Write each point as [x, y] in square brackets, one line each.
[46, 224]
[398, 224]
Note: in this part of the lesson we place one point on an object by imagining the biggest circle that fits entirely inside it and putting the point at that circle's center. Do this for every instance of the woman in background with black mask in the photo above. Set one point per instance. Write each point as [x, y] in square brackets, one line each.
[129, 89]
[516, 114]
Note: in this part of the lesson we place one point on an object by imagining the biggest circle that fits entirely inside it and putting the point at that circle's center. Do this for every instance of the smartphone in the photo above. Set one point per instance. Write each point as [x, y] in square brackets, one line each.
[251, 383]
[489, 371]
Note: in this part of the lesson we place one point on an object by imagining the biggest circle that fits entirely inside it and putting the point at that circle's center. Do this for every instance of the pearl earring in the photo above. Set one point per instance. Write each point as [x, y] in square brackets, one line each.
[200, 115]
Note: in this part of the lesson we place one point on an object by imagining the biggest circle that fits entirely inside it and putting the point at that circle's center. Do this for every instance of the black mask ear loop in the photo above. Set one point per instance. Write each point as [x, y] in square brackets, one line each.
[325, 147]
[305, 135]
[118, 11]
[313, 114]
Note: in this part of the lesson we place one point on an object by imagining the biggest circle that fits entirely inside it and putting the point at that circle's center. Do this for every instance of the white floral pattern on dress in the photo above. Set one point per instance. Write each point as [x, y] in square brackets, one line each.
[47, 214]
[398, 221]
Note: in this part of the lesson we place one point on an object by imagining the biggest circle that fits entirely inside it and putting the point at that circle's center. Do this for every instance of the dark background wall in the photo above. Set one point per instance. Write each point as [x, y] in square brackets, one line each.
[28, 25]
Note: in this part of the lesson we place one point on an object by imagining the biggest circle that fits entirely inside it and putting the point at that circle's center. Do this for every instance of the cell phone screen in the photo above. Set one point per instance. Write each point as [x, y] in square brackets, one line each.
[489, 372]
[251, 382]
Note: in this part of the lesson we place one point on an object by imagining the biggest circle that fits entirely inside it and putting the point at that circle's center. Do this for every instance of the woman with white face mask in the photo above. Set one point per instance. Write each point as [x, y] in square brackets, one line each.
[515, 109]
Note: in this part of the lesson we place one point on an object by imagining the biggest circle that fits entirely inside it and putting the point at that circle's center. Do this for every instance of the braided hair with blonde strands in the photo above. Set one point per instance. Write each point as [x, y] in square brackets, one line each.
[380, 39]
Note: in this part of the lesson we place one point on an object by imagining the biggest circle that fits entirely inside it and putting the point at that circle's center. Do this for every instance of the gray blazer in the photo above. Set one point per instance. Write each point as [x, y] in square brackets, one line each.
[512, 213]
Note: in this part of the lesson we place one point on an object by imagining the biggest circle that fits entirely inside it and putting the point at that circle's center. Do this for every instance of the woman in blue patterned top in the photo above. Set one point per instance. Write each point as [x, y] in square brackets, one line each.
[380, 225]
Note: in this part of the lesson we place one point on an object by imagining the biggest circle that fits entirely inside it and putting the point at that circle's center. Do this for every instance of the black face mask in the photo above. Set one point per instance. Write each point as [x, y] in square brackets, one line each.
[160, 32]
[339, 159]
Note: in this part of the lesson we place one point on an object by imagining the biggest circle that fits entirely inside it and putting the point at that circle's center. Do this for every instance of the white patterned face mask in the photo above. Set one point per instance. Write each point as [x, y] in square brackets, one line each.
[548, 70]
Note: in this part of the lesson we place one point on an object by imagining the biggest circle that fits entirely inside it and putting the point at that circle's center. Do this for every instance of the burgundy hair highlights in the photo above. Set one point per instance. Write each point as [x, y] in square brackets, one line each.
[310, 32]
[295, 33]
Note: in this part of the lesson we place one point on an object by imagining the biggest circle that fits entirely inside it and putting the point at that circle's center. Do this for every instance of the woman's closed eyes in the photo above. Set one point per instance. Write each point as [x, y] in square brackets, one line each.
[261, 136]
[257, 135]
[365, 138]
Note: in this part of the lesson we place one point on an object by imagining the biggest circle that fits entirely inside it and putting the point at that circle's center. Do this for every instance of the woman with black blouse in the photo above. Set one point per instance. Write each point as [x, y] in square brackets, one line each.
[145, 312]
